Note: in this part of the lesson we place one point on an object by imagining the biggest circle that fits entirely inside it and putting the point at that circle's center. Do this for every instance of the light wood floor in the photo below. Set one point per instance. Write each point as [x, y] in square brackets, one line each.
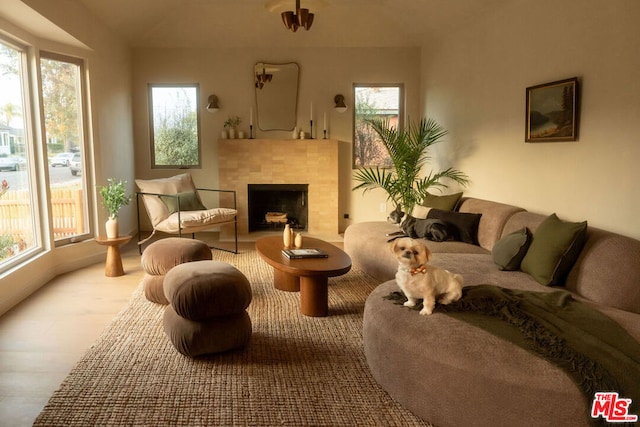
[43, 337]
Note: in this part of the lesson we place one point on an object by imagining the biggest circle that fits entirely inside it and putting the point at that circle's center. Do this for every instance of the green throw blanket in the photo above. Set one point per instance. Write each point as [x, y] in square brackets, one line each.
[596, 352]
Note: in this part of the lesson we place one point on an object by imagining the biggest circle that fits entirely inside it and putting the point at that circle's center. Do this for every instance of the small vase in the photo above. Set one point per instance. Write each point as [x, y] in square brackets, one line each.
[241, 134]
[296, 134]
[224, 134]
[111, 228]
[286, 236]
[298, 240]
[232, 133]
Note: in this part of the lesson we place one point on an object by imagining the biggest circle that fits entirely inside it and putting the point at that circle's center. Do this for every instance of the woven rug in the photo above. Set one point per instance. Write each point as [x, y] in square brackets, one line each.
[296, 370]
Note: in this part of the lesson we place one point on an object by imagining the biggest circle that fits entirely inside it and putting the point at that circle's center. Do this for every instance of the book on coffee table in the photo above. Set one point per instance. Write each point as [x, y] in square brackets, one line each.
[304, 253]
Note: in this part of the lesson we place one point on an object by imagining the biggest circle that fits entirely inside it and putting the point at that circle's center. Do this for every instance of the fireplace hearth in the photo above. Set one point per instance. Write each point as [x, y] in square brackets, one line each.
[271, 206]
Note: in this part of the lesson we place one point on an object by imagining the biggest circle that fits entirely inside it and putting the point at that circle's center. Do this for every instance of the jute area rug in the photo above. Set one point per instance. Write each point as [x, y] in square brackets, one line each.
[296, 370]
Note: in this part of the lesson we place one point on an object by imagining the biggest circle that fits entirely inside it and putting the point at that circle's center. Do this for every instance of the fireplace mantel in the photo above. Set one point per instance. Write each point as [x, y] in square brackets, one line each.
[284, 161]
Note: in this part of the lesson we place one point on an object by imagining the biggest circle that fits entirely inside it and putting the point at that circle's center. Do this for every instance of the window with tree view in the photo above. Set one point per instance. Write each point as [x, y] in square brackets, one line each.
[374, 101]
[175, 118]
[18, 228]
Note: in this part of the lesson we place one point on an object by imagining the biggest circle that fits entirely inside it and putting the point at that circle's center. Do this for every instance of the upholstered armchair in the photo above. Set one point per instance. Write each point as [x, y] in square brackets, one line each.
[174, 206]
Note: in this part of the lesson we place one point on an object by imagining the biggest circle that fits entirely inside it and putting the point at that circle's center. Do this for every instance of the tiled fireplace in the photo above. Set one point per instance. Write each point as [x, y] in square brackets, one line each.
[291, 161]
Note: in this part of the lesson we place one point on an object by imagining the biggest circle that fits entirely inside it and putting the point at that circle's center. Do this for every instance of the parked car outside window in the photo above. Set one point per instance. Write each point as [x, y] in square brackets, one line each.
[61, 159]
[76, 165]
[12, 163]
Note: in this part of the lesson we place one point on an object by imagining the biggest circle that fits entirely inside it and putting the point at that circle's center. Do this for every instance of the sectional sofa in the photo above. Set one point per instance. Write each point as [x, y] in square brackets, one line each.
[451, 372]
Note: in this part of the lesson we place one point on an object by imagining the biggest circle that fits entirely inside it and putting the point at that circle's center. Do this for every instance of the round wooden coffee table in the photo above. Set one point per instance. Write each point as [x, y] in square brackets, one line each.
[310, 276]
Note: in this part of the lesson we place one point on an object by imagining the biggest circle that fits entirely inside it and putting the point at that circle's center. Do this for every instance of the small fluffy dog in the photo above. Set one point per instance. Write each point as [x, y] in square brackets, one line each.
[418, 280]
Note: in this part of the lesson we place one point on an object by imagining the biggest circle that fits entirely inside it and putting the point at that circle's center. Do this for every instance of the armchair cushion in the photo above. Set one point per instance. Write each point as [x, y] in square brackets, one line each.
[192, 219]
[156, 208]
[189, 201]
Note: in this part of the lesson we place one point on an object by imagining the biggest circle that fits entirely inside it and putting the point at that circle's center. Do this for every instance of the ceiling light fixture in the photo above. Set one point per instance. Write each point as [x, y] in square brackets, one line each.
[299, 18]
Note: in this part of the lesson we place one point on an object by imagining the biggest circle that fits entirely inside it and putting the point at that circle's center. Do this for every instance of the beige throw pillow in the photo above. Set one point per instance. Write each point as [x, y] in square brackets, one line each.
[156, 208]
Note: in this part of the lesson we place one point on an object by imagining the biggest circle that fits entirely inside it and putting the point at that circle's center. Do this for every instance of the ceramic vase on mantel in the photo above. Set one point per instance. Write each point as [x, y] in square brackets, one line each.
[232, 133]
[111, 228]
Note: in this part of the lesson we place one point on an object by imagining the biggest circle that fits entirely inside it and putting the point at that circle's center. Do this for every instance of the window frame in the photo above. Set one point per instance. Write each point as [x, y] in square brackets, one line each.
[152, 141]
[84, 133]
[401, 116]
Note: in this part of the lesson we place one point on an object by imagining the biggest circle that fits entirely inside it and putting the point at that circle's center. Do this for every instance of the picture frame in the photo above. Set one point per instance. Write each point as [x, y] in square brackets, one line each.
[552, 111]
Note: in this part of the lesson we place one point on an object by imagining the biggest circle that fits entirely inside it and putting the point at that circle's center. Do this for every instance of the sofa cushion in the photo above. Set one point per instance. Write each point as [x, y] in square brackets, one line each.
[554, 249]
[189, 201]
[446, 202]
[465, 224]
[495, 216]
[509, 251]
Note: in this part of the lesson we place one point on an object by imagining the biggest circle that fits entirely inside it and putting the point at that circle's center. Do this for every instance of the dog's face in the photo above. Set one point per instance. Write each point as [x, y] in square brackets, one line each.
[410, 252]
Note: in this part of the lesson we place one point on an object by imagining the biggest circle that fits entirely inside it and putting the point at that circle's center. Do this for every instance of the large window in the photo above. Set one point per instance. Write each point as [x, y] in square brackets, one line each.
[63, 119]
[175, 124]
[374, 101]
[18, 228]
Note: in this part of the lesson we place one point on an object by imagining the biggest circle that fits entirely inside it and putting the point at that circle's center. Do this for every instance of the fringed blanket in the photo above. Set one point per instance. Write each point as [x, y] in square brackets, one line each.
[596, 352]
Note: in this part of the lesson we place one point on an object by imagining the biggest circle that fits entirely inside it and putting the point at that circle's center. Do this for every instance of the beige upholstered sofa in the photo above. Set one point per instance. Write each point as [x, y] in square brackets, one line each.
[452, 373]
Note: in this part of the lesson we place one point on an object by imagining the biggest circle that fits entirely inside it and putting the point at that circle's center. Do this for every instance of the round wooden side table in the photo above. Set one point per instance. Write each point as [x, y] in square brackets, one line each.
[113, 266]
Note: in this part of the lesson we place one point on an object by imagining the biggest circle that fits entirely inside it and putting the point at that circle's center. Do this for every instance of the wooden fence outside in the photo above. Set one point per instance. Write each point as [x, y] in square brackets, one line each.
[16, 214]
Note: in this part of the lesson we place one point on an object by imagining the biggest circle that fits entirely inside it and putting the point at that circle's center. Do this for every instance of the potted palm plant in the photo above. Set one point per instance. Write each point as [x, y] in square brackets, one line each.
[114, 196]
[409, 152]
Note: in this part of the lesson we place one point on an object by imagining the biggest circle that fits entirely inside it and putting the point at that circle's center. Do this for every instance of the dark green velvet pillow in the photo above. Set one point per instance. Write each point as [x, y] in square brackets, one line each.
[554, 249]
[189, 201]
[509, 251]
[447, 202]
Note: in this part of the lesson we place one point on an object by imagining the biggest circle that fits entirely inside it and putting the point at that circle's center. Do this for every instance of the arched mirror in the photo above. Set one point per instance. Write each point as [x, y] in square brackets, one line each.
[276, 95]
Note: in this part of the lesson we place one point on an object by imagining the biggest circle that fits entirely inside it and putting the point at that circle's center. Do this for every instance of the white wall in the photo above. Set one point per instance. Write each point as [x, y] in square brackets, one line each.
[109, 71]
[474, 80]
[229, 75]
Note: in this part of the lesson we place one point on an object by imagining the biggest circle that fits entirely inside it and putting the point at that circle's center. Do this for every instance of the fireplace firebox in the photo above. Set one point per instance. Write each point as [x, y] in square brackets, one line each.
[271, 206]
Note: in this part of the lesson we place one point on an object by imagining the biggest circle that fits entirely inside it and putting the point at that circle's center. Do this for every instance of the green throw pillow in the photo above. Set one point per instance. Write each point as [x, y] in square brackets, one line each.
[189, 201]
[509, 251]
[447, 202]
[554, 249]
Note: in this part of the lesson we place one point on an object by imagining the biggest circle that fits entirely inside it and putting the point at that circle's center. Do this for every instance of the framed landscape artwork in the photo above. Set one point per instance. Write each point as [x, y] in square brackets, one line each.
[552, 111]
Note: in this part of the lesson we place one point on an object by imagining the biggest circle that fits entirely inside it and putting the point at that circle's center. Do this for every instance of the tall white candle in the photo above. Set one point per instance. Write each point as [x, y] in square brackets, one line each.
[311, 112]
[325, 120]
[251, 116]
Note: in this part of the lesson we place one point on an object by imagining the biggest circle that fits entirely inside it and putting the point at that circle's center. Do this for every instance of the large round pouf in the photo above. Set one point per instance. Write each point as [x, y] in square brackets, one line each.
[161, 256]
[207, 312]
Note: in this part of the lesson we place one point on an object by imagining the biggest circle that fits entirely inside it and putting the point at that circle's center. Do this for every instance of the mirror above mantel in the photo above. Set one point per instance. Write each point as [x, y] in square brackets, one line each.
[276, 88]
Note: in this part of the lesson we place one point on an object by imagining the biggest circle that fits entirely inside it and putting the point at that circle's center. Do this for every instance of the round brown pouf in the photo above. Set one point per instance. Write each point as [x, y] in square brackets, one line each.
[203, 289]
[207, 311]
[161, 256]
[215, 335]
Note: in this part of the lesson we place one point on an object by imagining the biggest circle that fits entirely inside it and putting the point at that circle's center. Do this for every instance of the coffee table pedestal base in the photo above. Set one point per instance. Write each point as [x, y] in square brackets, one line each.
[314, 296]
[285, 281]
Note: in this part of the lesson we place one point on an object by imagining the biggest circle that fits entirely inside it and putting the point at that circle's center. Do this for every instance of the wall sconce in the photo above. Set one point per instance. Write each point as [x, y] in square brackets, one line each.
[340, 107]
[212, 104]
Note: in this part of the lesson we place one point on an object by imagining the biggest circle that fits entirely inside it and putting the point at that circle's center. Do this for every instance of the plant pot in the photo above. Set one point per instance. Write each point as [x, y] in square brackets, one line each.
[111, 227]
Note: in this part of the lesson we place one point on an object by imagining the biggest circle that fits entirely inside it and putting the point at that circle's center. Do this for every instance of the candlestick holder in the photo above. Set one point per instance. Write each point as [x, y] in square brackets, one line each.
[311, 131]
[250, 131]
[325, 133]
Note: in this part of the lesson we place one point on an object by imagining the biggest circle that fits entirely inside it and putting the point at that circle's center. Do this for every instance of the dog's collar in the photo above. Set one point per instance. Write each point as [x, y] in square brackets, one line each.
[421, 269]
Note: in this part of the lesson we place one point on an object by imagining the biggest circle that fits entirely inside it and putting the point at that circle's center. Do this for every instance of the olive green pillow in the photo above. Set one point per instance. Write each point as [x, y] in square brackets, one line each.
[189, 201]
[554, 249]
[509, 251]
[448, 202]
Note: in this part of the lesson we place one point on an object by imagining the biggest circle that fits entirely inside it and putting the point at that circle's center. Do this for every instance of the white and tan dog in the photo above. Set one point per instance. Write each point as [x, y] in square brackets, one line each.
[418, 280]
